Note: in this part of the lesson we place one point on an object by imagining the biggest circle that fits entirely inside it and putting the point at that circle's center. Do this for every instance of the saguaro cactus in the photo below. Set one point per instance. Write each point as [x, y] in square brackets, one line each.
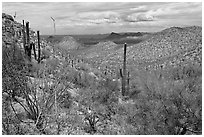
[24, 37]
[128, 83]
[28, 47]
[38, 35]
[124, 71]
[121, 73]
[33, 46]
[72, 63]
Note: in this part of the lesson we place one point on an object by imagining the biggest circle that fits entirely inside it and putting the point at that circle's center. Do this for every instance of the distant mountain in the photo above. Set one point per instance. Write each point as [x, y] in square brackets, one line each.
[114, 35]
[138, 34]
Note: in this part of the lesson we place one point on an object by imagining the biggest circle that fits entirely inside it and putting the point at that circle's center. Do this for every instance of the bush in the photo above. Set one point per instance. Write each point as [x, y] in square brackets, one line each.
[168, 106]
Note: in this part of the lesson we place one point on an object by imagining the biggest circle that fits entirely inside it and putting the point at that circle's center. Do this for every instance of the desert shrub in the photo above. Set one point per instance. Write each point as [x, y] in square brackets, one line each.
[167, 106]
[98, 106]
[14, 71]
[45, 54]
[65, 100]
[105, 96]
[184, 71]
[51, 66]
[192, 70]
[82, 66]
[38, 97]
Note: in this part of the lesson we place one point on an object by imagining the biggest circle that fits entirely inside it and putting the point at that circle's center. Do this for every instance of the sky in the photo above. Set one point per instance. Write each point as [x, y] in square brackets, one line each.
[105, 17]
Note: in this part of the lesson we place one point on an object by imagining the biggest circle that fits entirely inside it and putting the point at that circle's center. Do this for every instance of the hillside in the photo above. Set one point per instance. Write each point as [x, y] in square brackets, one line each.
[170, 46]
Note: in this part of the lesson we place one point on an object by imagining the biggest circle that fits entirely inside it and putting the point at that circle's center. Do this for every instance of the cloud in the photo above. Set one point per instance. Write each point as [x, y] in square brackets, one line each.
[142, 8]
[139, 18]
[107, 17]
[97, 15]
[101, 17]
[175, 9]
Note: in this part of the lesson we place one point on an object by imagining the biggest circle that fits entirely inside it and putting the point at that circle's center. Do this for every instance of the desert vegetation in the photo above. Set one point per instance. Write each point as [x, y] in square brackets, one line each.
[65, 92]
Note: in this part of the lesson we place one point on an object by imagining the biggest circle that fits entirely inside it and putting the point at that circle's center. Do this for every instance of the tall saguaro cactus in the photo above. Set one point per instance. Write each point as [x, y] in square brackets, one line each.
[38, 35]
[124, 71]
[24, 37]
[28, 47]
[27, 33]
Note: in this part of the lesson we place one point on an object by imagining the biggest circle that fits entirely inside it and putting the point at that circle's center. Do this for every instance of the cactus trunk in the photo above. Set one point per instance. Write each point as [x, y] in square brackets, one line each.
[28, 47]
[24, 37]
[128, 83]
[33, 46]
[38, 35]
[124, 71]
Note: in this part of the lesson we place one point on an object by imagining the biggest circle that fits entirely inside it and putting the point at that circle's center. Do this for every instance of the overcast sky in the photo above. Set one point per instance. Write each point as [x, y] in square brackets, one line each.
[92, 18]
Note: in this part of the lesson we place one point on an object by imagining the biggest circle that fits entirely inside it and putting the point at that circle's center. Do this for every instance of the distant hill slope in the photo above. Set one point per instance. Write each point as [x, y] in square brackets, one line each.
[170, 45]
[98, 52]
[69, 43]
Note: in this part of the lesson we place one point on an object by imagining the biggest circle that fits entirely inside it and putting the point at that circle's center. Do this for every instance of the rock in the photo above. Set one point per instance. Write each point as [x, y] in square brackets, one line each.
[7, 17]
